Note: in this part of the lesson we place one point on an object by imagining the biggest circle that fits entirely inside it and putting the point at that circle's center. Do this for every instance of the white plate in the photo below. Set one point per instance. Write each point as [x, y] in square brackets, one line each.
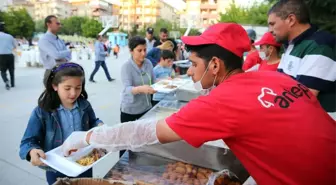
[160, 86]
[68, 165]
[181, 62]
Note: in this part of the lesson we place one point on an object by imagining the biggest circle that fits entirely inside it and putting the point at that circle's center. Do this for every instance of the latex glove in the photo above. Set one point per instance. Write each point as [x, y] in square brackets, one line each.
[74, 142]
[35, 155]
[145, 89]
[131, 135]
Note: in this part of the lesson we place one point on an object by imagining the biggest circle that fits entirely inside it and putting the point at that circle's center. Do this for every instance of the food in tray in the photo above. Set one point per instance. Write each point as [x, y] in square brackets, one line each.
[177, 173]
[170, 86]
[94, 156]
[163, 83]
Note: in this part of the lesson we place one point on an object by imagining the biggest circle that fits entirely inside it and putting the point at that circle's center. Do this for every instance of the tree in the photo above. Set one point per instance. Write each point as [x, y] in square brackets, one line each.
[255, 14]
[161, 23]
[1, 16]
[39, 26]
[19, 23]
[73, 25]
[91, 28]
[234, 14]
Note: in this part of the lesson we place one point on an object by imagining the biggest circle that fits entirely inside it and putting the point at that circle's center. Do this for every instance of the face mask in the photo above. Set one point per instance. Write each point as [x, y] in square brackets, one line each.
[198, 85]
[262, 55]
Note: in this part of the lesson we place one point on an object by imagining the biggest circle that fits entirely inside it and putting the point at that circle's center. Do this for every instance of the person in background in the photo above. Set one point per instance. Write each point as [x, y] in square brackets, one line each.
[310, 57]
[163, 37]
[269, 53]
[150, 40]
[116, 50]
[162, 71]
[137, 77]
[7, 62]
[155, 54]
[62, 109]
[52, 49]
[100, 55]
[252, 57]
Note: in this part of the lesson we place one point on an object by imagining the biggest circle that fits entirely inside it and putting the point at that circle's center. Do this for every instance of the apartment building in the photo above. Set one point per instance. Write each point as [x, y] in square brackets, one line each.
[207, 10]
[94, 8]
[29, 6]
[39, 9]
[142, 13]
[59, 8]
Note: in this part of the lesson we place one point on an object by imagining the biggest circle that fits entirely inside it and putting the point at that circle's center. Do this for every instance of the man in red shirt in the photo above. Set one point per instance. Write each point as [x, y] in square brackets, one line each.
[269, 52]
[275, 127]
[252, 57]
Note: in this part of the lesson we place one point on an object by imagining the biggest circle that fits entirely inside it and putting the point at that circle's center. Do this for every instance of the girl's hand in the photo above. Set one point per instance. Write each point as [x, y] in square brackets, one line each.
[35, 155]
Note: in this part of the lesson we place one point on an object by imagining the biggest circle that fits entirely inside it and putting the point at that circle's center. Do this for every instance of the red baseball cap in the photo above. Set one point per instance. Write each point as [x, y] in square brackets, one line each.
[268, 39]
[230, 36]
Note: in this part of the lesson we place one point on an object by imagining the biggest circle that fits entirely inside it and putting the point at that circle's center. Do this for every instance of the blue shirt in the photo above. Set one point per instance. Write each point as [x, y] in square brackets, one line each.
[131, 76]
[7, 44]
[52, 50]
[100, 52]
[70, 120]
[161, 73]
[154, 55]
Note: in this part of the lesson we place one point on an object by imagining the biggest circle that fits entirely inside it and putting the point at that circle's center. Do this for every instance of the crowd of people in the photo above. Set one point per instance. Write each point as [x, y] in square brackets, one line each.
[271, 109]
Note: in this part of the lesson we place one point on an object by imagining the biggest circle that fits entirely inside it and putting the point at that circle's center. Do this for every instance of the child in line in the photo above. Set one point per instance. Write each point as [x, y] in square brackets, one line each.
[116, 50]
[162, 71]
[62, 109]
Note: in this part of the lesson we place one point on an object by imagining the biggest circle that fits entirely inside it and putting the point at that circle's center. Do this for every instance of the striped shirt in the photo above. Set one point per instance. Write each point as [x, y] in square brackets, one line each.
[310, 59]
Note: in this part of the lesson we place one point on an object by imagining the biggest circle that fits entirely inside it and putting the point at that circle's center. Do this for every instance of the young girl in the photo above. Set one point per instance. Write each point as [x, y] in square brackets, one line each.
[62, 109]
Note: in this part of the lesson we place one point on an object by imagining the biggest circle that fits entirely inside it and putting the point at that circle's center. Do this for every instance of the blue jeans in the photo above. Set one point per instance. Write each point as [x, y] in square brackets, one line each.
[52, 176]
[98, 64]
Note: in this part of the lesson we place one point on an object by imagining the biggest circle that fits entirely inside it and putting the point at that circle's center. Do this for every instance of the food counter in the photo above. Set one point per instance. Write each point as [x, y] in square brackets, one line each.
[151, 164]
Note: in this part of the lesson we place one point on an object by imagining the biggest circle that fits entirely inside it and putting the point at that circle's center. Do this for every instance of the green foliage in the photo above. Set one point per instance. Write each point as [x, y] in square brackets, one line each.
[1, 16]
[161, 23]
[39, 26]
[73, 25]
[323, 14]
[18, 23]
[91, 28]
[255, 14]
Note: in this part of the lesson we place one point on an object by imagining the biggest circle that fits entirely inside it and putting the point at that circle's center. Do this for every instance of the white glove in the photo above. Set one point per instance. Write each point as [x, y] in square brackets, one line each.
[75, 141]
[131, 135]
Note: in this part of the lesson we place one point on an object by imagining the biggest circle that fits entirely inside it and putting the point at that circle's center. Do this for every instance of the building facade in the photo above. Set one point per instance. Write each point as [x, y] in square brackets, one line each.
[29, 6]
[93, 8]
[39, 9]
[141, 13]
[208, 11]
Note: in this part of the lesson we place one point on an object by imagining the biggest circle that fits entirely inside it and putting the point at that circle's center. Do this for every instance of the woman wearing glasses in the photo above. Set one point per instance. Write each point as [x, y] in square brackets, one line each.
[137, 77]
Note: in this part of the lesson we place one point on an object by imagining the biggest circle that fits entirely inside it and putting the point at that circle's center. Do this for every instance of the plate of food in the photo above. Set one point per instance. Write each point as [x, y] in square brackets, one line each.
[168, 86]
[76, 163]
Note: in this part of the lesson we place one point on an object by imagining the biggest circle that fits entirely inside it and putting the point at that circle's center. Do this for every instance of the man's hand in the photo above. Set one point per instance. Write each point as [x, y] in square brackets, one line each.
[74, 142]
[35, 155]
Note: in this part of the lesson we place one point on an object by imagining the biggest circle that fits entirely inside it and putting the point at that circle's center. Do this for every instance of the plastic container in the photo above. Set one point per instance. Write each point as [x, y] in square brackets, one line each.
[89, 181]
[68, 165]
[161, 86]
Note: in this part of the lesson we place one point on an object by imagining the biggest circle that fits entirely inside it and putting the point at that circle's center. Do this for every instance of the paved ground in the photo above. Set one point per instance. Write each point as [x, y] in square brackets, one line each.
[17, 104]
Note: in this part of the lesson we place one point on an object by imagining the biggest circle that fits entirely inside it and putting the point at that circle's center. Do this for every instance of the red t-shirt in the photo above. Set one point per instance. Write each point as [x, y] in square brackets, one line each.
[275, 127]
[251, 60]
[268, 67]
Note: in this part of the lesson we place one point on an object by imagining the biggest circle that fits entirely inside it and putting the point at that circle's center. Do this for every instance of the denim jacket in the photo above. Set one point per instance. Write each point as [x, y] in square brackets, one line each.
[45, 132]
